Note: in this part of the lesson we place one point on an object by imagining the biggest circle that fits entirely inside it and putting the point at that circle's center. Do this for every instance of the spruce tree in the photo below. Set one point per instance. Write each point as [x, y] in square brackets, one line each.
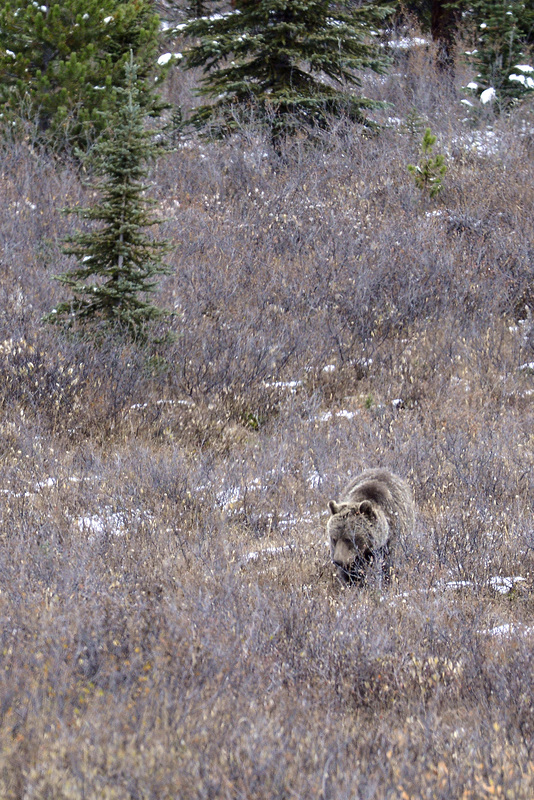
[295, 63]
[501, 46]
[118, 263]
[503, 32]
[62, 62]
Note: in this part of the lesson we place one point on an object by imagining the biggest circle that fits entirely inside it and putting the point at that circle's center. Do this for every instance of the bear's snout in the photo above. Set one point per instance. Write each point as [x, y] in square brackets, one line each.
[343, 556]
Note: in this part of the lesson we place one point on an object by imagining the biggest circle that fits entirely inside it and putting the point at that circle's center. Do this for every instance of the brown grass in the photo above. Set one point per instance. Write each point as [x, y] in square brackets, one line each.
[170, 623]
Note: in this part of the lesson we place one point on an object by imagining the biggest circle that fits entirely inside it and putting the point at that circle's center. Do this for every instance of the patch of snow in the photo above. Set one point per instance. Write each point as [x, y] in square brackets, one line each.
[504, 585]
[229, 497]
[255, 555]
[10, 493]
[291, 385]
[407, 42]
[488, 95]
[498, 583]
[524, 80]
[47, 484]
[162, 402]
[290, 520]
[500, 630]
[508, 629]
[314, 480]
[483, 142]
[96, 525]
[113, 522]
[326, 416]
[454, 585]
[166, 57]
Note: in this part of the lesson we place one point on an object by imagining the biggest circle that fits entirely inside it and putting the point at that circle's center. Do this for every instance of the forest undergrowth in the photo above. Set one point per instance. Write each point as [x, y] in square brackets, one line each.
[171, 624]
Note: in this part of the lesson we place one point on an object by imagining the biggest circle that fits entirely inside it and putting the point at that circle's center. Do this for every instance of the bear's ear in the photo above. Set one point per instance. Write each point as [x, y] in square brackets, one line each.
[367, 509]
[334, 507]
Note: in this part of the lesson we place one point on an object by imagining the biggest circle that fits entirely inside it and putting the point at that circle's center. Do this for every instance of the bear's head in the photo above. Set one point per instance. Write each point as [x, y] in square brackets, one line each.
[355, 530]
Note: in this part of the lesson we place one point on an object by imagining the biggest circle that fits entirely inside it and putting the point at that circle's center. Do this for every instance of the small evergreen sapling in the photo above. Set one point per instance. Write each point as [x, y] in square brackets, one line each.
[413, 124]
[428, 174]
[118, 263]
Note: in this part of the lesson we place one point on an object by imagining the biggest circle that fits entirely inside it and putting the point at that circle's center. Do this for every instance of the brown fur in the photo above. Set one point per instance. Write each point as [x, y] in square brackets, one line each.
[374, 511]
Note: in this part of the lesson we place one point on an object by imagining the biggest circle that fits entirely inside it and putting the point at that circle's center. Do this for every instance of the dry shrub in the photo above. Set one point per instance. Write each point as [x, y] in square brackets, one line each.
[170, 623]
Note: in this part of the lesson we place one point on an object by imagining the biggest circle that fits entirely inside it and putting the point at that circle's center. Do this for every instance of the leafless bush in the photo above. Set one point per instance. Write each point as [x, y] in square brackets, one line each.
[170, 622]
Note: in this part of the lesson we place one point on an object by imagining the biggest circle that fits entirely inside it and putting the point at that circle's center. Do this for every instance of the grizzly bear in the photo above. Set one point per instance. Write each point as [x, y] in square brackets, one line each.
[375, 510]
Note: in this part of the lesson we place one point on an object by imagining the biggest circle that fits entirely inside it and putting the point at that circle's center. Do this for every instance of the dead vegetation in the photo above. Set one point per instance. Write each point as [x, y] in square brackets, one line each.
[170, 622]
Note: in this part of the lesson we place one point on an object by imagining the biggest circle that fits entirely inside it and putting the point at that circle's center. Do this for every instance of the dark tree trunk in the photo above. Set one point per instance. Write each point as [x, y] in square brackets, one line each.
[444, 25]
